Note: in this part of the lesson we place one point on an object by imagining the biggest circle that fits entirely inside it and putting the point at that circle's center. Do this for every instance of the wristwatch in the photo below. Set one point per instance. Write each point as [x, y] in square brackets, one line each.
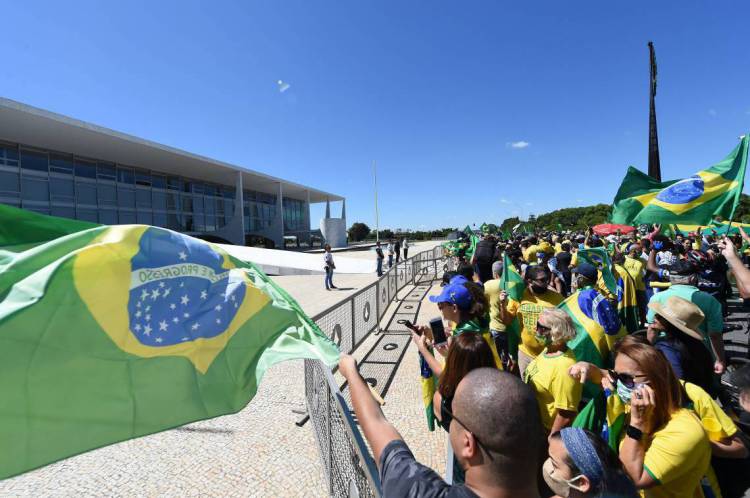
[634, 433]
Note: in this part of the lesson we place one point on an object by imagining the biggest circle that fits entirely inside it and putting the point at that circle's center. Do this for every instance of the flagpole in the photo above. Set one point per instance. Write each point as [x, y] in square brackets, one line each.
[377, 216]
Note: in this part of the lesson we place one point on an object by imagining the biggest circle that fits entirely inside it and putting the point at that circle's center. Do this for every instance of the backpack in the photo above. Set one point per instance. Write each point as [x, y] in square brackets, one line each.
[485, 252]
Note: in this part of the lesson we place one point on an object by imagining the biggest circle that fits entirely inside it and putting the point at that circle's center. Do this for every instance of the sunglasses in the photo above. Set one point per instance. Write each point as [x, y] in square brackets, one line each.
[627, 380]
[541, 327]
[479, 443]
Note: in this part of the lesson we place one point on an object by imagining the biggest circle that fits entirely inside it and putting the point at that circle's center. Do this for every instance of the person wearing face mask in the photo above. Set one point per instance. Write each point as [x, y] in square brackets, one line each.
[580, 464]
[536, 298]
[557, 393]
[662, 445]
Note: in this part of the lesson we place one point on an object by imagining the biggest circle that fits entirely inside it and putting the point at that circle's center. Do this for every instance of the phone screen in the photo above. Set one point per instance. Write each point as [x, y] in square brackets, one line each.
[438, 331]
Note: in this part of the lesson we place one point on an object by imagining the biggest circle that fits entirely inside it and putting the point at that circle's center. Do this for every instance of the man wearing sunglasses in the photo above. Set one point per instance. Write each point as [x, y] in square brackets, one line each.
[494, 421]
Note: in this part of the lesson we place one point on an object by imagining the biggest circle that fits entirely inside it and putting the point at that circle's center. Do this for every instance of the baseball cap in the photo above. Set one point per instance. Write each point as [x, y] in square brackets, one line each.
[683, 267]
[454, 293]
[587, 270]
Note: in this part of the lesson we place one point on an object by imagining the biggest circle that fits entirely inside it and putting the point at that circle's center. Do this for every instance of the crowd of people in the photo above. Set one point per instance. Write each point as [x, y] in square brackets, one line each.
[559, 392]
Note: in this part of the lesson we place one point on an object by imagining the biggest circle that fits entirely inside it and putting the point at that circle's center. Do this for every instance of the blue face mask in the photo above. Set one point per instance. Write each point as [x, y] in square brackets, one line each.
[625, 393]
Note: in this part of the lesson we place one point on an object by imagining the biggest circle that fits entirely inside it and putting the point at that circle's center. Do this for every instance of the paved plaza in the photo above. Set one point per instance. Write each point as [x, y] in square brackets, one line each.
[256, 452]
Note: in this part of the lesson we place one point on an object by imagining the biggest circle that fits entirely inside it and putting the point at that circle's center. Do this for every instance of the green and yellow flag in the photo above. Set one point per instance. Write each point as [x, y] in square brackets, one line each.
[108, 333]
[599, 258]
[473, 240]
[694, 200]
[512, 283]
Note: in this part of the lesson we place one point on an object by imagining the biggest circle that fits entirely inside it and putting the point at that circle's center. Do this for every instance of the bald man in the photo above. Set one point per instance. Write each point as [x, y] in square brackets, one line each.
[494, 419]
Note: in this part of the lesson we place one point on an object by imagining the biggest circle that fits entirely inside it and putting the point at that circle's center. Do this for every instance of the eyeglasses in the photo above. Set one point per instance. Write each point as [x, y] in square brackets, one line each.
[627, 380]
[479, 443]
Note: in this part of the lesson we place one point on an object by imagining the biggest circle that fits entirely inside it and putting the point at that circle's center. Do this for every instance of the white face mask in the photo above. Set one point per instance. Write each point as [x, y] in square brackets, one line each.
[558, 485]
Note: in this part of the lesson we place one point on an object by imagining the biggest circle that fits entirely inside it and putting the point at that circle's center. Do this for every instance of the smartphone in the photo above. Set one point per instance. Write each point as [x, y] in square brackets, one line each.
[410, 326]
[438, 331]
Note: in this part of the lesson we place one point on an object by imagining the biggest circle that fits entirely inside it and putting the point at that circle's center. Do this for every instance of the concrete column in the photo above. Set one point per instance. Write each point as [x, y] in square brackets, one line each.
[328, 208]
[307, 216]
[279, 235]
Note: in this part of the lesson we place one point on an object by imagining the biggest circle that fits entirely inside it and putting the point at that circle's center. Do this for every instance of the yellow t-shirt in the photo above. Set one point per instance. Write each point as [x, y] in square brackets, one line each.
[528, 311]
[545, 247]
[492, 293]
[530, 253]
[635, 267]
[555, 389]
[678, 457]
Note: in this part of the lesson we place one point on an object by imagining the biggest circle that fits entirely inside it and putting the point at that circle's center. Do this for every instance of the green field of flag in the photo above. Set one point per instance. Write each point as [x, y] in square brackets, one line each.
[599, 258]
[714, 191]
[108, 333]
[512, 283]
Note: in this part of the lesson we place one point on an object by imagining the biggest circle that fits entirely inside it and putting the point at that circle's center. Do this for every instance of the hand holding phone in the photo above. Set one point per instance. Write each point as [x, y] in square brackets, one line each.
[438, 331]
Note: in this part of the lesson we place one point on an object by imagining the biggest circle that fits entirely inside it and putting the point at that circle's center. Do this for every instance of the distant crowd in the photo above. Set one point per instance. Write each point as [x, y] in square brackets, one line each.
[579, 364]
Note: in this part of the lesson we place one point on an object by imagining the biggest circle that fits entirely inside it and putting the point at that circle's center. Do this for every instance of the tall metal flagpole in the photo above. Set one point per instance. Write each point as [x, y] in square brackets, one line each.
[377, 216]
[654, 165]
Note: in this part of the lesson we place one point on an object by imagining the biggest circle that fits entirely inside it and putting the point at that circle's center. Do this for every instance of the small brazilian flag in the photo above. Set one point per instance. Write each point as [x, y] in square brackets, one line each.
[473, 239]
[599, 258]
[108, 333]
[715, 191]
[512, 283]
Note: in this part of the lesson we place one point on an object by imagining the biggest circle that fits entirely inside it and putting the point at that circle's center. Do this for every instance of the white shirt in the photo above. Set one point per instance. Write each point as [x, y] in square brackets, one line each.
[328, 258]
[405, 245]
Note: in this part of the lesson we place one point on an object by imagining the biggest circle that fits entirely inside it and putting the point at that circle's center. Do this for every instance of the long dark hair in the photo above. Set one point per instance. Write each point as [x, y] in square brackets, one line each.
[695, 360]
[467, 352]
[615, 481]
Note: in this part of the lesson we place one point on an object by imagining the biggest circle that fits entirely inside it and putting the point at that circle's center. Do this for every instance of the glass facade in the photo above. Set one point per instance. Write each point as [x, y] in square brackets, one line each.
[104, 192]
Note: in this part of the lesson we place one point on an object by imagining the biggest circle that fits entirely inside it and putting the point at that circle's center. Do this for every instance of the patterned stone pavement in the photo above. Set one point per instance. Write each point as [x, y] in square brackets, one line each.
[256, 452]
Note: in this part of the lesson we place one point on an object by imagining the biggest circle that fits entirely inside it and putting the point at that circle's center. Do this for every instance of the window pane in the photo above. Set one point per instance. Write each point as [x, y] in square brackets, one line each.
[210, 190]
[127, 217]
[142, 178]
[125, 175]
[160, 219]
[187, 222]
[86, 193]
[87, 215]
[33, 160]
[199, 224]
[63, 211]
[85, 169]
[187, 203]
[105, 171]
[108, 217]
[143, 197]
[61, 163]
[159, 200]
[125, 198]
[174, 183]
[144, 218]
[173, 222]
[106, 195]
[35, 189]
[210, 206]
[159, 181]
[62, 189]
[173, 201]
[210, 223]
[9, 183]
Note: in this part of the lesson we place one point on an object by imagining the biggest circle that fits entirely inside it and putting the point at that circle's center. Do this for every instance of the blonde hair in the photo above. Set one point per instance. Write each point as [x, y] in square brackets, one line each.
[560, 324]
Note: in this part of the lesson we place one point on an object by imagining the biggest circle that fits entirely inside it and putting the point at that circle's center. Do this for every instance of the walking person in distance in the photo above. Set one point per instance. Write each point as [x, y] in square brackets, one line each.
[329, 267]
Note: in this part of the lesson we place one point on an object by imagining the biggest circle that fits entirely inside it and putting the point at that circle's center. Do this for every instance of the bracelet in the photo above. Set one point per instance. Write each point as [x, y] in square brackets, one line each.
[634, 433]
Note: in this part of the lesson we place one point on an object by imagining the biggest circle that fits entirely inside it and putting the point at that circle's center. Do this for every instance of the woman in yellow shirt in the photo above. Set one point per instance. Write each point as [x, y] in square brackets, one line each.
[557, 393]
[663, 446]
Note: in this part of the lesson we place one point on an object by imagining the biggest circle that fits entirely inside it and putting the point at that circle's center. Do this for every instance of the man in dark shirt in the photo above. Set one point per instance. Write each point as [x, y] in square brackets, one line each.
[495, 434]
[381, 257]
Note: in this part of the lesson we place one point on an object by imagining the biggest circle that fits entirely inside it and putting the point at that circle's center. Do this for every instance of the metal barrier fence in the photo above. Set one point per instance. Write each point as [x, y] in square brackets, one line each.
[348, 465]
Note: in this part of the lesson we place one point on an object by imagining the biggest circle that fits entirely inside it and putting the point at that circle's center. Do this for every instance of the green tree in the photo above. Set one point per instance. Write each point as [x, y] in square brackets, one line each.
[358, 231]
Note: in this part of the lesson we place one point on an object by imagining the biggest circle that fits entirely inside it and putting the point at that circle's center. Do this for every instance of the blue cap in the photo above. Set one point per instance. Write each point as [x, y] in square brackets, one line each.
[458, 279]
[454, 293]
[587, 270]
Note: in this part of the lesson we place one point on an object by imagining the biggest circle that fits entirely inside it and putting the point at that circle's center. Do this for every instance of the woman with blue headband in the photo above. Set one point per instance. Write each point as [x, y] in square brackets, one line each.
[581, 464]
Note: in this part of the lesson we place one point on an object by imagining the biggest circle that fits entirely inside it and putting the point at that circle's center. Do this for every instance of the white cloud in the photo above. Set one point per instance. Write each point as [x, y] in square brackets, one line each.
[529, 203]
[521, 144]
[504, 201]
[712, 112]
[283, 86]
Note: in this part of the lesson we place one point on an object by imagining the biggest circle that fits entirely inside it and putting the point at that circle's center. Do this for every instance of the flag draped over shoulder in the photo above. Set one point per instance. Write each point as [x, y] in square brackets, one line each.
[429, 386]
[512, 283]
[473, 240]
[627, 303]
[108, 333]
[714, 191]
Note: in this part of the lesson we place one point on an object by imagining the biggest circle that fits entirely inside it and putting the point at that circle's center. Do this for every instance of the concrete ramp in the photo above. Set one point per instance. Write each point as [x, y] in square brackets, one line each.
[277, 262]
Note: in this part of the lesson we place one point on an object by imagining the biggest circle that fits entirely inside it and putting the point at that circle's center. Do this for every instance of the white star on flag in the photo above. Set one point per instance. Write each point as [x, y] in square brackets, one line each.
[172, 306]
[195, 326]
[147, 330]
[138, 304]
[186, 315]
[184, 338]
[148, 308]
[137, 314]
[137, 327]
[183, 256]
[218, 320]
[163, 325]
[176, 320]
[217, 307]
[144, 294]
[148, 317]
[184, 300]
[161, 284]
[204, 294]
[167, 291]
[155, 293]
[159, 339]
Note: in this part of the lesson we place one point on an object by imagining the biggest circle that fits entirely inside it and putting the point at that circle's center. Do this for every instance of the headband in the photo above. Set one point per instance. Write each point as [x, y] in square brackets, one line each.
[583, 454]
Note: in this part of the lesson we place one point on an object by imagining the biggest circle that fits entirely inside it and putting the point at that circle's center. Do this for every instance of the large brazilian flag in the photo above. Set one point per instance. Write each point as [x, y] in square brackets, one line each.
[714, 191]
[108, 333]
[512, 283]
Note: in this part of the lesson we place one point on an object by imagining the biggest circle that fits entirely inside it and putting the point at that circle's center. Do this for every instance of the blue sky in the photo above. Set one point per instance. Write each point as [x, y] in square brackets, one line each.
[437, 92]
